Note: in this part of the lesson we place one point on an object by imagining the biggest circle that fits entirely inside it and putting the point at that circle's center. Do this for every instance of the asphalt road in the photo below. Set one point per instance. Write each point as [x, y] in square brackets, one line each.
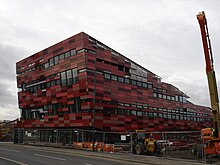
[19, 155]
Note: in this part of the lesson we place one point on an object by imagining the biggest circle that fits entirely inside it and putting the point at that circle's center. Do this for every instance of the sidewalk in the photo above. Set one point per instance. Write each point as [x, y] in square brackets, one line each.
[134, 159]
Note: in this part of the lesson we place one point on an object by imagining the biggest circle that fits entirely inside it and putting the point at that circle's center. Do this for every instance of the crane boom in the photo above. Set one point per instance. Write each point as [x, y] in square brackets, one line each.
[210, 72]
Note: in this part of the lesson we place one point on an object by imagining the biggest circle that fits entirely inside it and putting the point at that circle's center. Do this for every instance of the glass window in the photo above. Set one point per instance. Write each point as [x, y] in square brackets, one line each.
[114, 77]
[139, 113]
[61, 56]
[177, 117]
[155, 114]
[134, 113]
[169, 116]
[67, 54]
[145, 85]
[121, 79]
[139, 84]
[150, 86]
[46, 65]
[56, 60]
[168, 98]
[63, 78]
[160, 95]
[127, 80]
[53, 83]
[164, 96]
[51, 61]
[160, 115]
[165, 116]
[72, 52]
[107, 76]
[180, 98]
[74, 71]
[177, 98]
[155, 94]
[120, 67]
[69, 77]
[133, 82]
[126, 112]
[126, 69]
[120, 112]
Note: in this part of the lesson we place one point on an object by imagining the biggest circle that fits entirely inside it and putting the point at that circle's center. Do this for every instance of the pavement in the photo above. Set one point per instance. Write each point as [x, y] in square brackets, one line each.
[125, 157]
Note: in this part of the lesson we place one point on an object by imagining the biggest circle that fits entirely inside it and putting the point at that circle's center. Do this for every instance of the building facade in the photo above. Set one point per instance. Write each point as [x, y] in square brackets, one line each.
[80, 79]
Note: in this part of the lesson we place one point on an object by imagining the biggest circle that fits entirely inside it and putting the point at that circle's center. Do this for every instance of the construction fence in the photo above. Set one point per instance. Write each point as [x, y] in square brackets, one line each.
[181, 145]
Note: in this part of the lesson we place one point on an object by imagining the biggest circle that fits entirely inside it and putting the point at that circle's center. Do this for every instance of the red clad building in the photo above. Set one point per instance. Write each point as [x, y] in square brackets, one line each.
[61, 86]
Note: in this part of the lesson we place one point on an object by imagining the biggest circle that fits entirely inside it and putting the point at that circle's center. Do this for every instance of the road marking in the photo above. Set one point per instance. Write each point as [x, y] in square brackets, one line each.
[14, 161]
[51, 157]
[87, 164]
[9, 150]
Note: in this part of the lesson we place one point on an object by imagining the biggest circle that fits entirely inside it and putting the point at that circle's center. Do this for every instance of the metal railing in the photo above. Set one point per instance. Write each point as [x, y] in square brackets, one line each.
[181, 145]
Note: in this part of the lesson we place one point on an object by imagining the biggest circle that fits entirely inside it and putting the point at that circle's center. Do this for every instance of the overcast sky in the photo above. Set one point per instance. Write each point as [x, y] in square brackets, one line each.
[163, 36]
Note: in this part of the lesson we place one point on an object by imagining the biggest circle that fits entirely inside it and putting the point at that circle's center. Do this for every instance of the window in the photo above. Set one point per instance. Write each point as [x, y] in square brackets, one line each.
[75, 75]
[61, 56]
[56, 60]
[113, 77]
[134, 113]
[164, 96]
[121, 79]
[126, 69]
[155, 94]
[150, 86]
[127, 80]
[139, 113]
[69, 77]
[177, 98]
[120, 68]
[72, 52]
[133, 82]
[107, 76]
[180, 98]
[120, 112]
[51, 61]
[169, 116]
[145, 85]
[160, 95]
[67, 54]
[139, 84]
[46, 65]
[63, 78]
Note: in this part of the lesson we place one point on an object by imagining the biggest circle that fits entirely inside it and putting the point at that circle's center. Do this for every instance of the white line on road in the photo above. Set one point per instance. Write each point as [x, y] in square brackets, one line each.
[51, 157]
[14, 161]
[87, 164]
[4, 149]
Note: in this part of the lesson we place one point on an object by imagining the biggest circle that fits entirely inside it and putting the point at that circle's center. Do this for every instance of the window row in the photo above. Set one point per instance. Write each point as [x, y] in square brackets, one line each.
[120, 67]
[127, 81]
[67, 78]
[55, 60]
[141, 106]
[178, 98]
[51, 109]
[116, 111]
